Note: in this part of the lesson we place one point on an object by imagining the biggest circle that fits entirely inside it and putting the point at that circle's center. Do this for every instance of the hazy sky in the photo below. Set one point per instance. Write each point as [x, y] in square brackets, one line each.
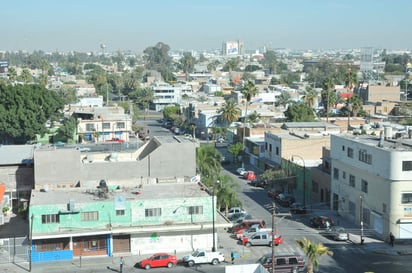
[82, 25]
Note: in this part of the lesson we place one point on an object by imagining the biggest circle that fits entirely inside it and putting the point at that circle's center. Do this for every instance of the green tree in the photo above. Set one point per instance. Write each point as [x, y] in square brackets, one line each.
[24, 110]
[270, 61]
[284, 99]
[231, 65]
[299, 112]
[290, 78]
[226, 196]
[249, 90]
[26, 75]
[67, 131]
[143, 96]
[313, 251]
[236, 150]
[187, 63]
[171, 112]
[310, 96]
[230, 112]
[208, 160]
[157, 58]
[254, 117]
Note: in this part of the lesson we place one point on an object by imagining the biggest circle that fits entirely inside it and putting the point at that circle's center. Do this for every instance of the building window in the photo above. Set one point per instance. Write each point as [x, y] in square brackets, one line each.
[384, 208]
[406, 166]
[52, 244]
[195, 210]
[106, 125]
[120, 212]
[90, 216]
[364, 186]
[352, 180]
[315, 187]
[270, 148]
[343, 147]
[120, 125]
[153, 212]
[335, 173]
[277, 150]
[350, 152]
[344, 175]
[406, 198]
[266, 146]
[365, 157]
[89, 127]
[50, 219]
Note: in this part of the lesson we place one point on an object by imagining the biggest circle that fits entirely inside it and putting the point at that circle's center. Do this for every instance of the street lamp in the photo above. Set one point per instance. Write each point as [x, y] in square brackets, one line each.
[304, 177]
[213, 217]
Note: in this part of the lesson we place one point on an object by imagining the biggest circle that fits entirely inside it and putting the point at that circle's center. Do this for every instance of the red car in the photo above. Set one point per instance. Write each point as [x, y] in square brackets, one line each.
[115, 139]
[159, 260]
[250, 175]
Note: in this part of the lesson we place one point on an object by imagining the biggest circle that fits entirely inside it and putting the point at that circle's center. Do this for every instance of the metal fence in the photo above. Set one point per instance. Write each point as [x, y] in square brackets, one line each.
[14, 250]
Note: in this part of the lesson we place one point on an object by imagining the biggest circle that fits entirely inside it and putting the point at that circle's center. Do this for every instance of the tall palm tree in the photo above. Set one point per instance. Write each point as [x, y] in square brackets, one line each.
[208, 161]
[329, 97]
[226, 196]
[230, 112]
[310, 96]
[249, 90]
[313, 252]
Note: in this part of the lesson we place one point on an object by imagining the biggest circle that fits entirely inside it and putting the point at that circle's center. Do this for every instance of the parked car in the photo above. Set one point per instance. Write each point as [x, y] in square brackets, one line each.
[241, 171]
[203, 257]
[250, 175]
[245, 224]
[258, 182]
[337, 233]
[115, 139]
[159, 260]
[274, 193]
[239, 218]
[262, 239]
[321, 222]
[297, 208]
[235, 210]
[83, 149]
[283, 263]
[285, 200]
[251, 231]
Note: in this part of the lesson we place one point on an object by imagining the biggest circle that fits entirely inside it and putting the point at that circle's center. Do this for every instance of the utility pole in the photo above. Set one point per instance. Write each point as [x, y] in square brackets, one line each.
[361, 220]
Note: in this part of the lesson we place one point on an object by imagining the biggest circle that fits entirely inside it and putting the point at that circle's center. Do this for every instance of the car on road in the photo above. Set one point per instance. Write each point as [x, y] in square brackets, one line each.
[321, 222]
[240, 217]
[337, 233]
[283, 263]
[246, 224]
[297, 208]
[158, 260]
[285, 200]
[262, 239]
[241, 171]
[83, 149]
[258, 182]
[115, 139]
[250, 175]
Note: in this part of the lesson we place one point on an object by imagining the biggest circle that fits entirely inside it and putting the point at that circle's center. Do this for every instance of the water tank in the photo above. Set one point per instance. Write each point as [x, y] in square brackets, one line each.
[388, 132]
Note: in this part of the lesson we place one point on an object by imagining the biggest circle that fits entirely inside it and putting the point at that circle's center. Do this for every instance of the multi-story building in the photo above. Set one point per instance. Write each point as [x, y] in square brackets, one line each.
[112, 219]
[371, 182]
[165, 94]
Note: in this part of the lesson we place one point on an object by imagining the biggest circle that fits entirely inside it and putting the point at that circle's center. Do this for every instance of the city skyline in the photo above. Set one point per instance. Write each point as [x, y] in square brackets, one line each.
[185, 25]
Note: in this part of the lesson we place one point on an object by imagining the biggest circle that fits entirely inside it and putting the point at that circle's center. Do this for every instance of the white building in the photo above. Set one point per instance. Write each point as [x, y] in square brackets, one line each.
[371, 182]
[165, 94]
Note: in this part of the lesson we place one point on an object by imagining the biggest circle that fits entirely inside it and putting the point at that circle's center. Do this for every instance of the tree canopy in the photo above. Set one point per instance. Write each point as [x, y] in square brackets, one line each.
[299, 112]
[24, 111]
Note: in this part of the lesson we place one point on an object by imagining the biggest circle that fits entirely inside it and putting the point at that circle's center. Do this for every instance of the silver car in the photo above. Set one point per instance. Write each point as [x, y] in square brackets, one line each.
[337, 233]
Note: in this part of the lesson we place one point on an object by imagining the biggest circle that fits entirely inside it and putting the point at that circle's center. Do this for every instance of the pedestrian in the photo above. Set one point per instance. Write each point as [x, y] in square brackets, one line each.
[121, 264]
[232, 256]
[391, 238]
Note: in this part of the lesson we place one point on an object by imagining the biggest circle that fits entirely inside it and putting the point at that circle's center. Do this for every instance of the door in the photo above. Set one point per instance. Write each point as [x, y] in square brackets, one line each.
[121, 243]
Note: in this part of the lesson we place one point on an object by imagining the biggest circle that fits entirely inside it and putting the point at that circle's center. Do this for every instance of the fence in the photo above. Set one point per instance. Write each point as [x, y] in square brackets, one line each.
[15, 250]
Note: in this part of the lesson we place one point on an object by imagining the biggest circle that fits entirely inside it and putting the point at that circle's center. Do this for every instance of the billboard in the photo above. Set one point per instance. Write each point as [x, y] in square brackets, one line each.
[4, 67]
[232, 48]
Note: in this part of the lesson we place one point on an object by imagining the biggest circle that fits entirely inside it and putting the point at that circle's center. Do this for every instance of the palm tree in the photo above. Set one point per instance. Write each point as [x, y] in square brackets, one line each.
[310, 96]
[283, 99]
[328, 97]
[226, 197]
[249, 90]
[208, 161]
[230, 112]
[313, 252]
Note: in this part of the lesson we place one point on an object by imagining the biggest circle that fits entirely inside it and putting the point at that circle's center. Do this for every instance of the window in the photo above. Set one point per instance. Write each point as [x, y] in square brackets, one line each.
[89, 127]
[50, 218]
[343, 147]
[364, 186]
[277, 150]
[153, 212]
[52, 244]
[195, 210]
[406, 198]
[365, 157]
[120, 212]
[344, 175]
[352, 181]
[293, 261]
[120, 125]
[384, 208]
[270, 148]
[406, 166]
[350, 152]
[90, 216]
[266, 146]
[106, 125]
[335, 173]
[281, 261]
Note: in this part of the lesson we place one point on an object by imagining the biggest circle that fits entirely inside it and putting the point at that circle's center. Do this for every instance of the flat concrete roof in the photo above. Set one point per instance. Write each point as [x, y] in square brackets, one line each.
[146, 192]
